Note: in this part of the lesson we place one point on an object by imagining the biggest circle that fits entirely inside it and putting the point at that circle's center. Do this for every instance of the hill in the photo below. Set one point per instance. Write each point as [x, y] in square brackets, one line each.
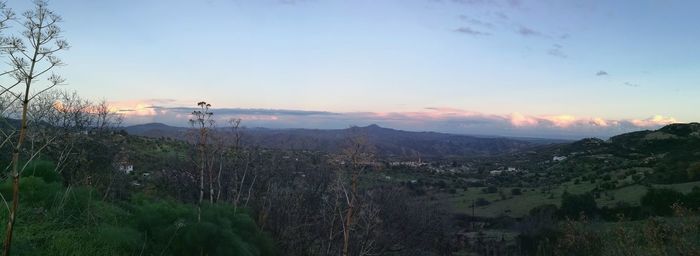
[388, 142]
[668, 155]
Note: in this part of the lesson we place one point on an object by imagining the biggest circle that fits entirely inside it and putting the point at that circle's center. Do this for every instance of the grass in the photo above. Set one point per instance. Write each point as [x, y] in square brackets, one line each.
[520, 205]
[682, 187]
[514, 206]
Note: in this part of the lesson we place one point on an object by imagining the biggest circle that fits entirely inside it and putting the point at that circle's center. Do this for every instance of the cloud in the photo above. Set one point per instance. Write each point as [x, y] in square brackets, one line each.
[631, 84]
[520, 120]
[475, 2]
[471, 31]
[601, 73]
[654, 121]
[501, 15]
[525, 31]
[250, 111]
[475, 22]
[556, 51]
[291, 2]
[440, 119]
[563, 121]
[515, 3]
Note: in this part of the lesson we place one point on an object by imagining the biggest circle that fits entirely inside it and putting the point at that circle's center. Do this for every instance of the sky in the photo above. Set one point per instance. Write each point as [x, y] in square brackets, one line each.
[558, 69]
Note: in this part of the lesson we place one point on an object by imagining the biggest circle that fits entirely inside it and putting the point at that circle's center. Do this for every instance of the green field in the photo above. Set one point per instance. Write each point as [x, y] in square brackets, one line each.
[520, 205]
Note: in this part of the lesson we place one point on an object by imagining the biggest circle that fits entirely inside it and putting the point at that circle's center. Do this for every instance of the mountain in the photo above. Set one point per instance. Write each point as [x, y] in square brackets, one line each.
[387, 142]
[668, 155]
[156, 130]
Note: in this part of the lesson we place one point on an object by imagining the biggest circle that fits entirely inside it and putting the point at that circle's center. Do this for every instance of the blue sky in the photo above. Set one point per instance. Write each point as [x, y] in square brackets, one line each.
[524, 68]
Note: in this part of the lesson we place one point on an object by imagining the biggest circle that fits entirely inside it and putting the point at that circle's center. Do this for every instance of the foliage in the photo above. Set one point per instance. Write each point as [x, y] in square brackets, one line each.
[516, 191]
[44, 170]
[660, 200]
[58, 220]
[572, 206]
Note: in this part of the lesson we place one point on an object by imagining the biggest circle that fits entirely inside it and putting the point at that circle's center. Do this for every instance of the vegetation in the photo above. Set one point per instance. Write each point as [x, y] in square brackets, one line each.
[76, 183]
[59, 220]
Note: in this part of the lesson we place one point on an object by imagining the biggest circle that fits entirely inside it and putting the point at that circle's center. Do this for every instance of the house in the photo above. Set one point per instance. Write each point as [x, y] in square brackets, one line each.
[558, 158]
[125, 168]
[121, 162]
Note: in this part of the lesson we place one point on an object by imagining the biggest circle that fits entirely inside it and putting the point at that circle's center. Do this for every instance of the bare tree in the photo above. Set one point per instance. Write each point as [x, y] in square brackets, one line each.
[32, 56]
[72, 123]
[203, 121]
[357, 155]
[232, 152]
[105, 118]
[214, 152]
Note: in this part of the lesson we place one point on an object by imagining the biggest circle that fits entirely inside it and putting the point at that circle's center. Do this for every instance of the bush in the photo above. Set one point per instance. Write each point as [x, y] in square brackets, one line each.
[659, 200]
[481, 202]
[516, 191]
[55, 220]
[572, 206]
[44, 170]
[490, 190]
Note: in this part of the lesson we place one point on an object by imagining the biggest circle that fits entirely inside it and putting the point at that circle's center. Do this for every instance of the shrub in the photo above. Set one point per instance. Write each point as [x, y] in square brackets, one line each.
[516, 191]
[481, 202]
[659, 200]
[490, 189]
[44, 170]
[572, 206]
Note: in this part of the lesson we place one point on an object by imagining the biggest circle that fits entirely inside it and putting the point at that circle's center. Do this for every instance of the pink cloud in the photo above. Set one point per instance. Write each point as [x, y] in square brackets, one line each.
[601, 122]
[656, 120]
[562, 121]
[520, 120]
[258, 118]
[440, 119]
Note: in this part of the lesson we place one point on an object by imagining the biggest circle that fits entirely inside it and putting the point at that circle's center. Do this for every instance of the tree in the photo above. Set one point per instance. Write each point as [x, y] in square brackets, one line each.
[693, 171]
[660, 200]
[202, 120]
[357, 156]
[516, 191]
[31, 55]
[105, 118]
[237, 157]
[572, 205]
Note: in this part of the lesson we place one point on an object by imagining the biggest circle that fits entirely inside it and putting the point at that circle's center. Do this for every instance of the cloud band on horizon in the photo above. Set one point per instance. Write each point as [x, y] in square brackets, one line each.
[449, 120]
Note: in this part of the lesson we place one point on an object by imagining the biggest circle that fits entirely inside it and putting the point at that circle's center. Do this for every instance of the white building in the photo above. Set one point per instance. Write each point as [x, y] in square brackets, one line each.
[558, 158]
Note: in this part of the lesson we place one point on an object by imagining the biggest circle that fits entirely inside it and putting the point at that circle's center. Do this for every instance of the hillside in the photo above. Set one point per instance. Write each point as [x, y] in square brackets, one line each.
[670, 154]
[618, 172]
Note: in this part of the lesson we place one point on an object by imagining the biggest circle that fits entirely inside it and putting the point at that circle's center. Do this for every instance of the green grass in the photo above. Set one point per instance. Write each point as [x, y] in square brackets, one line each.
[514, 206]
[629, 194]
[682, 187]
[520, 205]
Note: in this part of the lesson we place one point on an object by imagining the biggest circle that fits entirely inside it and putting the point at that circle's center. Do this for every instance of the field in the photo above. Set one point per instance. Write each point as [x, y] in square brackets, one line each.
[520, 205]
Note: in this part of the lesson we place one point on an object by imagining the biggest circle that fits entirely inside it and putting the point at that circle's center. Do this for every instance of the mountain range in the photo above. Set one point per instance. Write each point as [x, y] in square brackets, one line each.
[386, 141]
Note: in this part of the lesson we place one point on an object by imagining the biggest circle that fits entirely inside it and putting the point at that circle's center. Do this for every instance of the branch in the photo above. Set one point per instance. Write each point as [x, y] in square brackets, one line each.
[43, 90]
[36, 153]
[7, 139]
[53, 64]
[7, 206]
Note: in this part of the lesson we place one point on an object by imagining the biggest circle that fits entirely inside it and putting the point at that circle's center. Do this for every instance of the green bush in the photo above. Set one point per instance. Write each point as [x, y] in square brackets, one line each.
[572, 206]
[659, 200]
[44, 170]
[55, 220]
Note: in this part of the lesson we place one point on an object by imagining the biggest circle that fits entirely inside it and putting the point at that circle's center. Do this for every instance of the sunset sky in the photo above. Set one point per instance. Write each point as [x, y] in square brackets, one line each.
[565, 69]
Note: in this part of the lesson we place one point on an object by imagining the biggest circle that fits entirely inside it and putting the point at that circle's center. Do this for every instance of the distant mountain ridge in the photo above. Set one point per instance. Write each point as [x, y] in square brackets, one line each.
[388, 142]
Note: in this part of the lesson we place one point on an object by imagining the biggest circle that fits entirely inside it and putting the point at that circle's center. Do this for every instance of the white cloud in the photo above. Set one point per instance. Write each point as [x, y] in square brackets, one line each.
[440, 119]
